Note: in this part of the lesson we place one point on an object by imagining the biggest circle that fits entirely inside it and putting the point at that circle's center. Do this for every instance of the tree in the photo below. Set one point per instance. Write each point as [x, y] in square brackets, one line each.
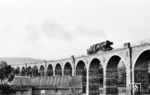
[3, 66]
[11, 76]
[5, 71]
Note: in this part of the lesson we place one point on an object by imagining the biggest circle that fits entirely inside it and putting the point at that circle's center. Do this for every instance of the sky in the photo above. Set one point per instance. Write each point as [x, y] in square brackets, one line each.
[55, 29]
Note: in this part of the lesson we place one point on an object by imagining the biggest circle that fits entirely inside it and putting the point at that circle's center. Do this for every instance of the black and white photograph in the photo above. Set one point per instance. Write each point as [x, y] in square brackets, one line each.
[74, 47]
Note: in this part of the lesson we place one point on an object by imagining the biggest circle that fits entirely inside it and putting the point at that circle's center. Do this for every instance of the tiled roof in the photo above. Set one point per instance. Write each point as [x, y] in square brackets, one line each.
[49, 81]
[22, 81]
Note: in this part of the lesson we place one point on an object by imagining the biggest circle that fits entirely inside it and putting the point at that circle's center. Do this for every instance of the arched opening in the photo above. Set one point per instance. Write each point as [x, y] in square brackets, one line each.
[29, 71]
[115, 75]
[81, 71]
[68, 69]
[142, 72]
[17, 71]
[95, 77]
[50, 70]
[41, 70]
[58, 70]
[23, 71]
[35, 71]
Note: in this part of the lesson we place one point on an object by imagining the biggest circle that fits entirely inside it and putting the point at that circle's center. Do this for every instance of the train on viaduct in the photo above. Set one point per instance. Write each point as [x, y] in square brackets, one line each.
[108, 72]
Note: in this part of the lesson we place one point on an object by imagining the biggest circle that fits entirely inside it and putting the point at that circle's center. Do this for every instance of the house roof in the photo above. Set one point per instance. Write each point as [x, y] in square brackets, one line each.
[49, 81]
[22, 81]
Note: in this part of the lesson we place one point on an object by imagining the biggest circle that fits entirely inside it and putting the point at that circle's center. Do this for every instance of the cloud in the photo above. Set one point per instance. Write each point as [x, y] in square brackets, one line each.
[90, 32]
[33, 33]
[52, 29]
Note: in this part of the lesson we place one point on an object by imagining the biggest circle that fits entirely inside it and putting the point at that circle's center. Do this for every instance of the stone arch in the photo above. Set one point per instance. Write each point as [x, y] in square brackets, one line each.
[95, 77]
[81, 71]
[17, 71]
[142, 71]
[58, 70]
[35, 71]
[138, 55]
[115, 75]
[23, 71]
[50, 70]
[29, 71]
[80, 67]
[67, 69]
[41, 70]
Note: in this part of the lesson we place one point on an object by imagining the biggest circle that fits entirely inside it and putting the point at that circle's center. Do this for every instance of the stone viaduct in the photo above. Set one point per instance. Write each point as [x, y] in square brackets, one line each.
[104, 72]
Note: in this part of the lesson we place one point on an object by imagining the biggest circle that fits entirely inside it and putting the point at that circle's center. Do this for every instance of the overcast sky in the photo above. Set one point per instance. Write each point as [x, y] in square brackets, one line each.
[54, 29]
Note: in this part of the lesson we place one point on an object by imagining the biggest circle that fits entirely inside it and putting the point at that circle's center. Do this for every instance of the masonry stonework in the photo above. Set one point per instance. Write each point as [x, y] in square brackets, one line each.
[123, 59]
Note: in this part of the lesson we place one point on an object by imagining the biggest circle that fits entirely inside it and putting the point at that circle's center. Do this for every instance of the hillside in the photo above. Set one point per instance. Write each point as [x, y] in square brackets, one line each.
[19, 60]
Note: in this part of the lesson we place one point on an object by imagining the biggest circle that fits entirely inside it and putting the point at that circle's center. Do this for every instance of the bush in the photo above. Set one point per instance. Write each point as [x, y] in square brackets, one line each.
[6, 89]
